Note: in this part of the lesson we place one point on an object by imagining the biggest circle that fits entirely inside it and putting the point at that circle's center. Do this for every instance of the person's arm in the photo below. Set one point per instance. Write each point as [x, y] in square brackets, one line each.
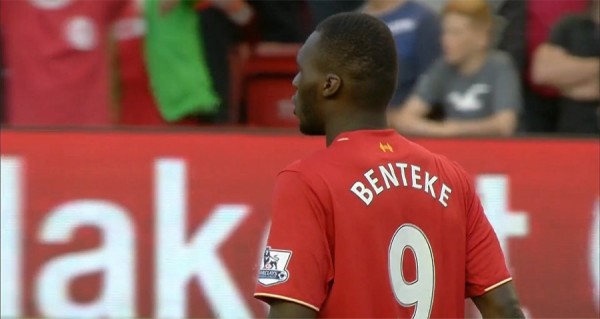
[500, 302]
[411, 119]
[502, 123]
[487, 279]
[505, 100]
[588, 91]
[297, 266]
[286, 309]
[552, 65]
[238, 11]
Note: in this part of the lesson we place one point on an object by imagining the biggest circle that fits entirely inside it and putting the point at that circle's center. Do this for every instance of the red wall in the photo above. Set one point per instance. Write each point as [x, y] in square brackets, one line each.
[101, 222]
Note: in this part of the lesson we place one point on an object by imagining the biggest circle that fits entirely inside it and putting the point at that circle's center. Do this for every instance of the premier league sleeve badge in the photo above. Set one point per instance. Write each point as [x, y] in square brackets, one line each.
[273, 268]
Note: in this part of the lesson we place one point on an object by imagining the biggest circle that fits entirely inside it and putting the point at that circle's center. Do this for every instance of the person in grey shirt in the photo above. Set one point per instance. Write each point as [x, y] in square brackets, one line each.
[478, 89]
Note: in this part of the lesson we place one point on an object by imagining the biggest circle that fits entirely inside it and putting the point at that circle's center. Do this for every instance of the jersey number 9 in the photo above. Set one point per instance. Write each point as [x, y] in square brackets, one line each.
[418, 293]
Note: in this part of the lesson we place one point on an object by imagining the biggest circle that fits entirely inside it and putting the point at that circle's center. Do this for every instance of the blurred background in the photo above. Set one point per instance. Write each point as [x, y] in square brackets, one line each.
[140, 140]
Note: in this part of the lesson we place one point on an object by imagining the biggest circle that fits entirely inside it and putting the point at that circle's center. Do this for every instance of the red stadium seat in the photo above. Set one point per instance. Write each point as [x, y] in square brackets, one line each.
[268, 85]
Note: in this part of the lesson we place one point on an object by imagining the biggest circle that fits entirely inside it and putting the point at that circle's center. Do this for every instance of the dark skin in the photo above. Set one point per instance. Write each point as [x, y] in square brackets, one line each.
[501, 302]
[323, 103]
[325, 106]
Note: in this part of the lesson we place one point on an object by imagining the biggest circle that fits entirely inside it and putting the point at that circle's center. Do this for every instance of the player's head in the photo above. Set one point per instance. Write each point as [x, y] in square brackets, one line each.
[348, 64]
[466, 29]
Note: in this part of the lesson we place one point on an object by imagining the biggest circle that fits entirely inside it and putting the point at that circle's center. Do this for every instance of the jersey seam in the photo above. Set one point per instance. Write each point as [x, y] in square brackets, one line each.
[294, 300]
[498, 284]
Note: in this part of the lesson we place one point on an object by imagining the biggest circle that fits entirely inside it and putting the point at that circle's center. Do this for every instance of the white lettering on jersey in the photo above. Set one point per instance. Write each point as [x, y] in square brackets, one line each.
[371, 186]
[365, 194]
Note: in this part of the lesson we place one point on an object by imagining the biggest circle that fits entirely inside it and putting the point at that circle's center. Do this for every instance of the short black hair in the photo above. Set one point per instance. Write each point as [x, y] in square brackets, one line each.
[362, 47]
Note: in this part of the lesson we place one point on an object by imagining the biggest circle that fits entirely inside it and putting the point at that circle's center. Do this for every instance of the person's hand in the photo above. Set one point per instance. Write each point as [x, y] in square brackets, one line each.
[238, 11]
[165, 6]
[556, 53]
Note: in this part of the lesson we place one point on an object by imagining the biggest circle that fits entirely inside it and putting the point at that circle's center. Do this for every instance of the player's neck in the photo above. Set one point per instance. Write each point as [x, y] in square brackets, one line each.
[355, 123]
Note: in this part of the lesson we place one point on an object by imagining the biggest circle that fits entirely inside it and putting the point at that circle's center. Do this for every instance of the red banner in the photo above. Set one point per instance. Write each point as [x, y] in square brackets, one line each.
[118, 224]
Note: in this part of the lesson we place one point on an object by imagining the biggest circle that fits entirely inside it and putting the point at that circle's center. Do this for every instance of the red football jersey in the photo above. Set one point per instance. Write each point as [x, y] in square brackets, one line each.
[57, 57]
[376, 226]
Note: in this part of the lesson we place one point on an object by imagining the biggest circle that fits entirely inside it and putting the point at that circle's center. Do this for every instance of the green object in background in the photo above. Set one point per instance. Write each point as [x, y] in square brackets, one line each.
[176, 62]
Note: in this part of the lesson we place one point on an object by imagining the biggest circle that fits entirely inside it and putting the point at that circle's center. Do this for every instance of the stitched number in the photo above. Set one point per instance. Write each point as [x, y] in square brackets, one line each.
[418, 293]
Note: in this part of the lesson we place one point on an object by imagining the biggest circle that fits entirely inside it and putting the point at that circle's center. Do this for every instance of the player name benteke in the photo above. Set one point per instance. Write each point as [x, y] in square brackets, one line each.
[384, 177]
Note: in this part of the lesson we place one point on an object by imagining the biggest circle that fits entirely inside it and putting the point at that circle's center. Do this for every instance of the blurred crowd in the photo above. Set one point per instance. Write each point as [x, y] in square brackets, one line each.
[467, 67]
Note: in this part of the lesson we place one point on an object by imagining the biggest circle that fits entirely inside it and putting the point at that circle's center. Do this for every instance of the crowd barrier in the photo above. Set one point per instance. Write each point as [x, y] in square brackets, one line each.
[112, 224]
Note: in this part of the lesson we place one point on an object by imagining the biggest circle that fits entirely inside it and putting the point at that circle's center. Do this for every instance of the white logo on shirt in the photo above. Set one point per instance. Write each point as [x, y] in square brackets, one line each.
[273, 268]
[470, 100]
[81, 33]
[402, 25]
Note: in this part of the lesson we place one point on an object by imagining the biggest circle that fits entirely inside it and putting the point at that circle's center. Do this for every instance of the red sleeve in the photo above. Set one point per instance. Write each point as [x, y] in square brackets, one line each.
[126, 20]
[486, 267]
[296, 265]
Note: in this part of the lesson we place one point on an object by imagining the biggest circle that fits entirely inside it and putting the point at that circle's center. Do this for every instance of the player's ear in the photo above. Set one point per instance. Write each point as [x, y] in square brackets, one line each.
[332, 85]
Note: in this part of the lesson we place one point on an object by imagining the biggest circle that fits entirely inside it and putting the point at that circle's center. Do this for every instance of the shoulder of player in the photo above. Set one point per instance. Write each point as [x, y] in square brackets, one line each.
[450, 168]
[446, 164]
[308, 173]
[420, 149]
[459, 175]
[308, 165]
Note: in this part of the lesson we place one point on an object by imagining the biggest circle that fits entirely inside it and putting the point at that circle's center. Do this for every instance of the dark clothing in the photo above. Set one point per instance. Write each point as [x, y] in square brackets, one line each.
[322, 9]
[217, 46]
[280, 21]
[579, 35]
[540, 113]
[416, 31]
[512, 39]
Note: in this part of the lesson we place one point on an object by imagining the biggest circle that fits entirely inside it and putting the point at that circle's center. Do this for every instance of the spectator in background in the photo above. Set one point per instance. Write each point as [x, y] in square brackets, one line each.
[510, 23]
[322, 9]
[281, 21]
[57, 57]
[176, 62]
[540, 112]
[416, 30]
[138, 105]
[478, 88]
[570, 62]
[222, 26]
